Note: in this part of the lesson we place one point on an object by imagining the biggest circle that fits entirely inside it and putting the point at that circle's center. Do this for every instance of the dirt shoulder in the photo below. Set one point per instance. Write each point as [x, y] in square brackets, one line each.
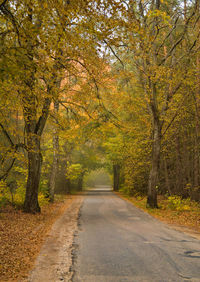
[22, 236]
[55, 258]
[184, 221]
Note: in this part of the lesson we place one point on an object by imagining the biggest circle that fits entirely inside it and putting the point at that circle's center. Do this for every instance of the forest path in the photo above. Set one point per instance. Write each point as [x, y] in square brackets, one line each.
[118, 242]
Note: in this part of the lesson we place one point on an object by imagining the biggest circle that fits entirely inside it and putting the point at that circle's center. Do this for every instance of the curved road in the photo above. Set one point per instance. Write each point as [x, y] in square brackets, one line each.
[118, 242]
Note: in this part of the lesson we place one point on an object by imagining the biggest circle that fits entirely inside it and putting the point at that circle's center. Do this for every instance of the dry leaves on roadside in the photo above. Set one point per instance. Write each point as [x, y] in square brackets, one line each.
[21, 236]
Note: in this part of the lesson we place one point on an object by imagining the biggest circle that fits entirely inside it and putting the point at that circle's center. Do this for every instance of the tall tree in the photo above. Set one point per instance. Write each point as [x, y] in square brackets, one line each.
[48, 40]
[155, 36]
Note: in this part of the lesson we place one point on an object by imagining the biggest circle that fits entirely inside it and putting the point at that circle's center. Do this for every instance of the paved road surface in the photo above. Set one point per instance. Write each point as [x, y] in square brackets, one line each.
[118, 242]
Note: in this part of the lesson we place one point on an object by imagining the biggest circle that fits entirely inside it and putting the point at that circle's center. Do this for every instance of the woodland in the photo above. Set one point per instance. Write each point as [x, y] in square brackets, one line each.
[99, 84]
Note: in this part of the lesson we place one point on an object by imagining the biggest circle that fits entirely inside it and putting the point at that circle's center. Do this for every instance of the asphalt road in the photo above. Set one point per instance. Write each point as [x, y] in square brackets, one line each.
[118, 242]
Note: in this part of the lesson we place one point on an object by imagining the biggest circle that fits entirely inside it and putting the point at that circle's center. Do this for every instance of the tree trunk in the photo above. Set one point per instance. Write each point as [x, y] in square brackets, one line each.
[54, 170]
[34, 170]
[197, 130]
[68, 186]
[187, 165]
[34, 131]
[196, 158]
[167, 182]
[179, 173]
[80, 183]
[154, 172]
[116, 177]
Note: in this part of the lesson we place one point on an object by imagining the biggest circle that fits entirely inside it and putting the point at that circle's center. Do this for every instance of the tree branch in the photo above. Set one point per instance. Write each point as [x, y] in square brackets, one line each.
[42, 119]
[179, 40]
[8, 13]
[112, 50]
[167, 36]
[8, 170]
[173, 118]
[93, 78]
[7, 135]
[76, 105]
[2, 4]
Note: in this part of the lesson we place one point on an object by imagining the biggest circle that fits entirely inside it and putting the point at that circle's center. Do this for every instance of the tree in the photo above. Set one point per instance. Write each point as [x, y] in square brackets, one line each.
[155, 34]
[48, 41]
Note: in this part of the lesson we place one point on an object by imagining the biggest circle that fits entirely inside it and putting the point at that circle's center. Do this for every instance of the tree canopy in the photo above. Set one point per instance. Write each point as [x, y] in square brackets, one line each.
[99, 84]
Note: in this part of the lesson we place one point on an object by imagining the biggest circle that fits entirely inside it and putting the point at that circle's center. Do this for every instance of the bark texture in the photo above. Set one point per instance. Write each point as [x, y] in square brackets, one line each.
[34, 131]
[154, 172]
[34, 170]
[156, 148]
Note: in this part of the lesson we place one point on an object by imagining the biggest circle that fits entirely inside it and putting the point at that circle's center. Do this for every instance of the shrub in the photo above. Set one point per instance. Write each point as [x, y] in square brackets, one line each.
[178, 204]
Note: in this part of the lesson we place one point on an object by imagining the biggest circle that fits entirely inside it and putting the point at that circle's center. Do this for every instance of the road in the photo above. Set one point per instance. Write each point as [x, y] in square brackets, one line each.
[118, 242]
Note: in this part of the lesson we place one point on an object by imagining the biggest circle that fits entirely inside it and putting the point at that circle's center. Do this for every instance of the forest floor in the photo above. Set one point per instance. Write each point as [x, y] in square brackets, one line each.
[22, 236]
[187, 220]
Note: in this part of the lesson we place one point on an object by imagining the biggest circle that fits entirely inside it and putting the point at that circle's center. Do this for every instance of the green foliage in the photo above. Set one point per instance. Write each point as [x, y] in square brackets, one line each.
[44, 189]
[178, 204]
[43, 200]
[12, 195]
[17, 195]
[73, 171]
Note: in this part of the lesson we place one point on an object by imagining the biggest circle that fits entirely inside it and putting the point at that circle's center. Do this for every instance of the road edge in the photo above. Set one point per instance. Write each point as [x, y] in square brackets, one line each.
[180, 228]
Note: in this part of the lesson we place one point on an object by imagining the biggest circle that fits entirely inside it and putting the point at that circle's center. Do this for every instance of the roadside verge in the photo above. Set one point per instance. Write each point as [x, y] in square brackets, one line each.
[55, 258]
[22, 235]
[187, 221]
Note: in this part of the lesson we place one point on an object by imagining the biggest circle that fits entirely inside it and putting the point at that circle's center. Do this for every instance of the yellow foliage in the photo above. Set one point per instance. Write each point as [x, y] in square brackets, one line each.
[42, 200]
[178, 204]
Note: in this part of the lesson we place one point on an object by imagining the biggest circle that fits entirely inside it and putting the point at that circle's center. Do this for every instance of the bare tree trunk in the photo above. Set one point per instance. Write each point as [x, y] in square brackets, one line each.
[187, 161]
[156, 148]
[196, 158]
[68, 188]
[34, 170]
[197, 126]
[167, 183]
[80, 182]
[54, 170]
[179, 172]
[154, 172]
[34, 131]
[116, 177]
